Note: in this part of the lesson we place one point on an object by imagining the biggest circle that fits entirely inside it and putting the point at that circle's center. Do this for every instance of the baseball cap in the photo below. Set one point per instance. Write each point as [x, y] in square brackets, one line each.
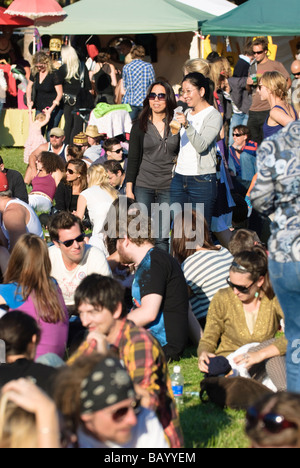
[3, 182]
[58, 132]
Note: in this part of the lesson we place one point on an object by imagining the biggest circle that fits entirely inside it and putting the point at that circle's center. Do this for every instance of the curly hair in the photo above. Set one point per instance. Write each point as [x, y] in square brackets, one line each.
[51, 162]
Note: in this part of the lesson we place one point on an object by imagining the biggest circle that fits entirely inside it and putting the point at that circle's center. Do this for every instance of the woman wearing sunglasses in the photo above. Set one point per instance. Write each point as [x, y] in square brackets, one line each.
[29, 287]
[152, 153]
[247, 312]
[195, 174]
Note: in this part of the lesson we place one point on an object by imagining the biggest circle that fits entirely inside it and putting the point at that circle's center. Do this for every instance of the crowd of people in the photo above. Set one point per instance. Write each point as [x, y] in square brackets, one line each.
[120, 252]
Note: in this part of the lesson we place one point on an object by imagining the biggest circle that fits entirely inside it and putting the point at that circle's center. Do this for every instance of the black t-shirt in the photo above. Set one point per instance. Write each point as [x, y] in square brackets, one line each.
[45, 92]
[73, 86]
[159, 273]
[22, 368]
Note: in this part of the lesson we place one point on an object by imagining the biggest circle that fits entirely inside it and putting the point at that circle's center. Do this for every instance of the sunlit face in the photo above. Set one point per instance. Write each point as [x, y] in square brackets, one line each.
[156, 105]
[259, 53]
[192, 94]
[115, 179]
[115, 153]
[98, 319]
[75, 252]
[244, 280]
[264, 92]
[105, 426]
[71, 173]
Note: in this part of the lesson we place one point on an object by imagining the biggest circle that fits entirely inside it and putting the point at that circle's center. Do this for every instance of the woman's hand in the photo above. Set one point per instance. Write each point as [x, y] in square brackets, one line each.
[181, 118]
[203, 361]
[248, 359]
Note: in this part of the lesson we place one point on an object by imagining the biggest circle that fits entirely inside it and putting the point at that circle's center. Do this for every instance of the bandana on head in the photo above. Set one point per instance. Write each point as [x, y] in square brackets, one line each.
[107, 385]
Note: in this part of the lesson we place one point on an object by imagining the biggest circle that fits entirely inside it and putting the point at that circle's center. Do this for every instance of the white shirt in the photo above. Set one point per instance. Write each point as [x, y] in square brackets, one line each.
[187, 163]
[93, 261]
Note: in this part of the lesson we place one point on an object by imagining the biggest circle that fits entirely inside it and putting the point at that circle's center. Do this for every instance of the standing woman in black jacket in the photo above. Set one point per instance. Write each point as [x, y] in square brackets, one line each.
[72, 74]
[153, 151]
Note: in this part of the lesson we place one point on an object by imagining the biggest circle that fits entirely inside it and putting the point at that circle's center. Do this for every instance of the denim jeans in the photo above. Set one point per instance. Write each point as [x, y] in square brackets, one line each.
[285, 278]
[195, 189]
[148, 197]
[248, 166]
[135, 112]
[236, 119]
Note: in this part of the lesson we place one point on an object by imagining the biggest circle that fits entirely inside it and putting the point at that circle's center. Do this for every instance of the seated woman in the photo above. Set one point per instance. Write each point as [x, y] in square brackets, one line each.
[205, 265]
[247, 312]
[29, 287]
[242, 158]
[97, 199]
[50, 169]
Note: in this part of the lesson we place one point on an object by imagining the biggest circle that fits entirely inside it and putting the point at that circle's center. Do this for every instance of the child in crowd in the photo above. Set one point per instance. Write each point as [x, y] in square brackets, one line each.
[35, 137]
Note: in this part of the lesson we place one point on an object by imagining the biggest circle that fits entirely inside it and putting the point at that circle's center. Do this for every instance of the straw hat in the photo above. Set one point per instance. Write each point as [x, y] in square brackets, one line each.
[92, 131]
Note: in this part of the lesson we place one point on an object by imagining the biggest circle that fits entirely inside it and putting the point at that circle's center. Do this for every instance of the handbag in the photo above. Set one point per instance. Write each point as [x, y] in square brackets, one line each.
[233, 392]
[69, 99]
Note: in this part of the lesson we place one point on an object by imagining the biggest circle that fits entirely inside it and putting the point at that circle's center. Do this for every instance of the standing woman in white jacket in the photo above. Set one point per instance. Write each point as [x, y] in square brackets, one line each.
[195, 175]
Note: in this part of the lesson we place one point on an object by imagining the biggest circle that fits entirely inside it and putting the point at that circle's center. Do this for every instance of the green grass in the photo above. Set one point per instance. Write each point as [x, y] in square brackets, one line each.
[204, 425]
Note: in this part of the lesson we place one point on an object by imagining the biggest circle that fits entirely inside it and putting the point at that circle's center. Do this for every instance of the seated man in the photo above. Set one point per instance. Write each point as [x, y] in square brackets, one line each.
[72, 259]
[114, 151]
[103, 397]
[242, 156]
[17, 217]
[21, 335]
[16, 182]
[100, 304]
[116, 175]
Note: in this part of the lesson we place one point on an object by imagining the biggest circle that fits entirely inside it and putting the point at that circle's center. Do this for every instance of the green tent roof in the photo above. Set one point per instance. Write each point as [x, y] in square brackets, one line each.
[125, 17]
[258, 17]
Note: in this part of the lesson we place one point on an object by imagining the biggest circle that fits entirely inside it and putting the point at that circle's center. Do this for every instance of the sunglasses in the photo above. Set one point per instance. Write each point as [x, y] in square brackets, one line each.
[55, 136]
[237, 134]
[118, 151]
[259, 52]
[69, 243]
[70, 171]
[159, 96]
[241, 289]
[120, 413]
[295, 75]
[272, 422]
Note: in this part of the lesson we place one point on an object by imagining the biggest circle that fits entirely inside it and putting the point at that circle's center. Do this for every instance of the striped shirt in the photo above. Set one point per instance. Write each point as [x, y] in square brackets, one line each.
[137, 77]
[206, 272]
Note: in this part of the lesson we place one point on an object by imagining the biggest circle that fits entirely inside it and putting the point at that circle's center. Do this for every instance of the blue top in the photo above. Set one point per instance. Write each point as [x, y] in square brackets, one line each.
[268, 130]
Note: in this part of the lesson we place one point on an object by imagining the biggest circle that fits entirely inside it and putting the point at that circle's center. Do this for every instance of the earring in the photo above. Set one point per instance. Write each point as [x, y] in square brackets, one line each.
[256, 295]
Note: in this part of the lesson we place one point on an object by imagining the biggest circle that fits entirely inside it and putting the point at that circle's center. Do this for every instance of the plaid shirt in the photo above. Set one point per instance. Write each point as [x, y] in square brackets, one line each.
[137, 77]
[146, 364]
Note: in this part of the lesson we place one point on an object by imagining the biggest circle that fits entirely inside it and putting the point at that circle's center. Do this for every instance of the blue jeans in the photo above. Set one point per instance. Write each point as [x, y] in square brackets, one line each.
[236, 119]
[285, 278]
[148, 197]
[195, 189]
[135, 112]
[248, 166]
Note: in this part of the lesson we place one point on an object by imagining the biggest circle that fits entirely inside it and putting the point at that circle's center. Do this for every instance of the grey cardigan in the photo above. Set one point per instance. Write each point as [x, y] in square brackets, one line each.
[204, 142]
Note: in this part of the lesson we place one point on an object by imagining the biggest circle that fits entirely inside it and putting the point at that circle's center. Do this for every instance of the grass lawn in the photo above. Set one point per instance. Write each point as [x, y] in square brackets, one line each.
[203, 425]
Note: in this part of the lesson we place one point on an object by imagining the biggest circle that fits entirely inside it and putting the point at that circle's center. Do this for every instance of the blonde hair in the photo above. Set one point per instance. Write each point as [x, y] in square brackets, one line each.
[44, 59]
[40, 117]
[97, 175]
[70, 59]
[17, 426]
[219, 69]
[276, 83]
[197, 65]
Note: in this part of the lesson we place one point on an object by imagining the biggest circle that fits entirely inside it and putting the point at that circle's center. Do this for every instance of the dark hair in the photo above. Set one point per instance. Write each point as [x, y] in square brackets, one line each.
[181, 252]
[146, 113]
[113, 166]
[16, 330]
[51, 162]
[255, 263]
[100, 292]
[199, 81]
[243, 130]
[110, 143]
[263, 41]
[63, 220]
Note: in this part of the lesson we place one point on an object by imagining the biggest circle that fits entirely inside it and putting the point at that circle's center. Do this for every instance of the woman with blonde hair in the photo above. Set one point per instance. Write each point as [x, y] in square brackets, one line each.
[29, 287]
[273, 87]
[70, 74]
[44, 88]
[97, 199]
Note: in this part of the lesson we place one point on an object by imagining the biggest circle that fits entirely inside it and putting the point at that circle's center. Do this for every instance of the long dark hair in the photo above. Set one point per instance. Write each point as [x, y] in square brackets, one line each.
[200, 81]
[146, 113]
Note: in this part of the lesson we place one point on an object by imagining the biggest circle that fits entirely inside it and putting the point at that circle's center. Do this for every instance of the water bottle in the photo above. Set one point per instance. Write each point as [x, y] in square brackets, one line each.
[177, 381]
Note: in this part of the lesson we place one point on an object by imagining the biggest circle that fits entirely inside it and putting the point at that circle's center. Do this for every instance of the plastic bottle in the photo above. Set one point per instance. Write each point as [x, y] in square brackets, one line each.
[177, 384]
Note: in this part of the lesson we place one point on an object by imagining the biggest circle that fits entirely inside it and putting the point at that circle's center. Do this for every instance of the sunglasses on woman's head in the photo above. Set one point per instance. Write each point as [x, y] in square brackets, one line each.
[272, 422]
[241, 289]
[159, 96]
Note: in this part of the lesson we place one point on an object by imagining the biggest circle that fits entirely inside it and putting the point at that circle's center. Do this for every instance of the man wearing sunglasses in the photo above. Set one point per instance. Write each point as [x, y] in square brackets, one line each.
[111, 415]
[71, 258]
[259, 109]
